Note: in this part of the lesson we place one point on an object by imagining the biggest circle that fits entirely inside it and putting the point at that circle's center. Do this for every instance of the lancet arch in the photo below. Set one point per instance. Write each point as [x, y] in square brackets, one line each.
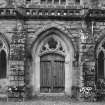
[54, 51]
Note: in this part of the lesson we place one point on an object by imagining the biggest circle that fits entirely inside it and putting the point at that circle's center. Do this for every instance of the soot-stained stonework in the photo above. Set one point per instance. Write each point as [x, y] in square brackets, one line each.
[25, 27]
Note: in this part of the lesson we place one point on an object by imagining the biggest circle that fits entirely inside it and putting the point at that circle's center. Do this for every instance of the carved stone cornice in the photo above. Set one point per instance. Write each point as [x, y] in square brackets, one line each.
[40, 13]
[96, 14]
[52, 13]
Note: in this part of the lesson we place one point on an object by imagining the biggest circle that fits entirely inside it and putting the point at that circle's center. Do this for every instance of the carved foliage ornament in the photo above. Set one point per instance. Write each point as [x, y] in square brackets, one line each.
[52, 45]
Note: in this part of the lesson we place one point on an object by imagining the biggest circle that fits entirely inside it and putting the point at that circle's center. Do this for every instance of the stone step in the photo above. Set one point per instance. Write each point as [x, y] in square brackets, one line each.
[62, 98]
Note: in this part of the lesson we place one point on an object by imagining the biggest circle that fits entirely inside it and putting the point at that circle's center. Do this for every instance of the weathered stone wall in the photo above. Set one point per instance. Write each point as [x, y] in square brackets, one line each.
[84, 49]
[71, 28]
[87, 58]
[95, 34]
[6, 32]
[69, 4]
[7, 28]
[85, 37]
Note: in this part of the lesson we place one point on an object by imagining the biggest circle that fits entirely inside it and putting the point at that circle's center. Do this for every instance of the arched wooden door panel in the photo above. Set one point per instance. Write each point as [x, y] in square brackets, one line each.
[52, 73]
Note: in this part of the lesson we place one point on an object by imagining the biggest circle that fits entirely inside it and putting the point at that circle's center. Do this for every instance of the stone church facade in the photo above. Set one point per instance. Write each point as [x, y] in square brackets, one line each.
[53, 46]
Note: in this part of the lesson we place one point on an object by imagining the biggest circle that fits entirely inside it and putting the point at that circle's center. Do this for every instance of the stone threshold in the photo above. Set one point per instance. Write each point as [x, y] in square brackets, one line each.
[51, 94]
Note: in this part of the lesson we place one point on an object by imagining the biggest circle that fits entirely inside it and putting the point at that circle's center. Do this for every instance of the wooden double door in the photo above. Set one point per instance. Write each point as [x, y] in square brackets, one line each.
[52, 73]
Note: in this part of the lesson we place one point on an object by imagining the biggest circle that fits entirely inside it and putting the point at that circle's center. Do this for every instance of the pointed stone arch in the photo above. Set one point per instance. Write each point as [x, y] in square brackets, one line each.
[6, 41]
[69, 57]
[100, 58]
[51, 29]
[4, 53]
[47, 26]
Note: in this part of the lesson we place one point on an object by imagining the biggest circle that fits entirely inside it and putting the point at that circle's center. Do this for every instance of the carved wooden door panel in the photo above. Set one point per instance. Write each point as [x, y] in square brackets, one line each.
[45, 73]
[52, 75]
[58, 76]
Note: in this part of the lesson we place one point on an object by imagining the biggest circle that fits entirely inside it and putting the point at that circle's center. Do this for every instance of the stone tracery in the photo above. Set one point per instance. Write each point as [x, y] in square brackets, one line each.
[52, 45]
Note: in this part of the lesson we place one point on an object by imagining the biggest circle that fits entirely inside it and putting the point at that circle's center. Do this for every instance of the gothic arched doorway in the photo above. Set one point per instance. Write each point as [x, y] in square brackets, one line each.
[52, 64]
[101, 61]
[52, 70]
[3, 59]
